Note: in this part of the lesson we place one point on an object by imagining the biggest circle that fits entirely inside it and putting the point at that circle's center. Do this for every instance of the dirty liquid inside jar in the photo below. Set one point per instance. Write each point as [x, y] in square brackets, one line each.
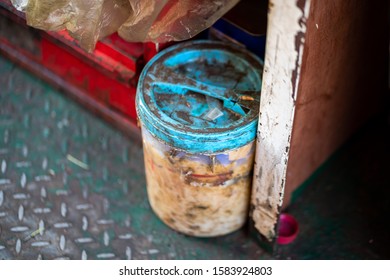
[199, 195]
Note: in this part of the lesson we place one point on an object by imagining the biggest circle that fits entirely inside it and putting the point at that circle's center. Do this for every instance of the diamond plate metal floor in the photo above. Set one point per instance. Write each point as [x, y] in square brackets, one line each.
[72, 187]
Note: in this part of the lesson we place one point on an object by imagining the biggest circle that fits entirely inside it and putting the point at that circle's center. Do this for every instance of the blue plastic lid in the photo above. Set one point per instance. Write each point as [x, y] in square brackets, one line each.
[201, 96]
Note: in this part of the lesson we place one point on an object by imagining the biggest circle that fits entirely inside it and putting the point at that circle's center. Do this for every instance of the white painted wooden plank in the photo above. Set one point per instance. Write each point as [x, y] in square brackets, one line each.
[284, 49]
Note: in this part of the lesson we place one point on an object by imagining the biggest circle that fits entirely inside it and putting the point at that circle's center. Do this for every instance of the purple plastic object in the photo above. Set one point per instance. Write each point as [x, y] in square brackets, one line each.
[288, 229]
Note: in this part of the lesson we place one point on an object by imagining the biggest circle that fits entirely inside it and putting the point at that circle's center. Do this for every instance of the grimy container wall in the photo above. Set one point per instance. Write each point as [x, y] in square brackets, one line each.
[199, 195]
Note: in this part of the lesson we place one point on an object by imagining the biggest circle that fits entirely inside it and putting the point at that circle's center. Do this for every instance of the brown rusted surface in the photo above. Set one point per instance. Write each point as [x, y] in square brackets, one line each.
[343, 81]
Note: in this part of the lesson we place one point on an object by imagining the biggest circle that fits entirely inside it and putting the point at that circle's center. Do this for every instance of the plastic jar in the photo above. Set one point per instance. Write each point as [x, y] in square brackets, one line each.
[198, 103]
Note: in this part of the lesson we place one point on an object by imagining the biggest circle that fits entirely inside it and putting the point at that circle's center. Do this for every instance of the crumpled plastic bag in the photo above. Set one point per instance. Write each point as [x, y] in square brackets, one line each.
[156, 21]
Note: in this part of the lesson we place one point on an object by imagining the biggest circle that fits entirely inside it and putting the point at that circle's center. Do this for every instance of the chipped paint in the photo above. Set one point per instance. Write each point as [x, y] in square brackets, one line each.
[285, 42]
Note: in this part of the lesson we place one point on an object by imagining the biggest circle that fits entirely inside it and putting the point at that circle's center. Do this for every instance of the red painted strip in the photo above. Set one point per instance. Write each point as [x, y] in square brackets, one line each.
[74, 70]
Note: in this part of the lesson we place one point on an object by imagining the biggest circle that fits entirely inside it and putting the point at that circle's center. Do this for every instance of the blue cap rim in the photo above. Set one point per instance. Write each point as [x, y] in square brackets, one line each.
[180, 136]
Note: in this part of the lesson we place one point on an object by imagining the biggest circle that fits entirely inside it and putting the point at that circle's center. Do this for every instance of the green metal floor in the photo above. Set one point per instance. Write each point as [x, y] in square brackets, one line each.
[72, 187]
